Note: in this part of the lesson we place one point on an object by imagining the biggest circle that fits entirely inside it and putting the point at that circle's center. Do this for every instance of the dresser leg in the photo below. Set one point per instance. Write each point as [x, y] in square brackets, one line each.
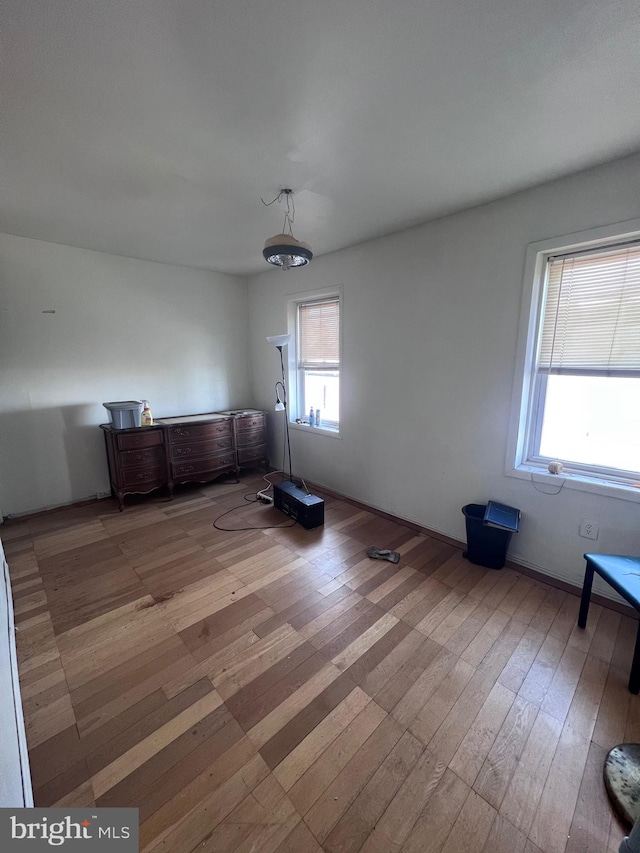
[120, 496]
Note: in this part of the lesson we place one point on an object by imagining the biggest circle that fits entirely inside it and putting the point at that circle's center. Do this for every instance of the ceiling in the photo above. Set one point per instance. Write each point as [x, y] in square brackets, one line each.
[152, 128]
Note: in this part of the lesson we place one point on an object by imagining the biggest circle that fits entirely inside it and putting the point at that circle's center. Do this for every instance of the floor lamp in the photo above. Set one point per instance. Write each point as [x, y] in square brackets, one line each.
[280, 341]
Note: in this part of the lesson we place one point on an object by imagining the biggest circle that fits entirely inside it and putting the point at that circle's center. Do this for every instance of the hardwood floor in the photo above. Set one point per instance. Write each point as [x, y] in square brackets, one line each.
[277, 690]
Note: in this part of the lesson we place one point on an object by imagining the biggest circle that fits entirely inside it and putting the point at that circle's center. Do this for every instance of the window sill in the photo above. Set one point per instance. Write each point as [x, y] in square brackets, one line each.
[552, 483]
[319, 430]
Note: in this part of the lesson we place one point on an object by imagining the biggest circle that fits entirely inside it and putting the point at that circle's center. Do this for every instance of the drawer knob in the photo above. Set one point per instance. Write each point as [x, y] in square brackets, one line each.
[181, 431]
[183, 451]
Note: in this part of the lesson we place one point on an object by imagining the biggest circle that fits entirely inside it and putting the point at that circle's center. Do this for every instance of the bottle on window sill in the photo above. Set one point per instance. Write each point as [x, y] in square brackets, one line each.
[312, 419]
[317, 417]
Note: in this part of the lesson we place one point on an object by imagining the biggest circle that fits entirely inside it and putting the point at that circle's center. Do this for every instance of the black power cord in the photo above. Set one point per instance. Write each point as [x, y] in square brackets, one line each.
[252, 499]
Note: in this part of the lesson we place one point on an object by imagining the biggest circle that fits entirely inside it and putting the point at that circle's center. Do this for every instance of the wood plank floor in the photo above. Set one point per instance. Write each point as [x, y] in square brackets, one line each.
[276, 690]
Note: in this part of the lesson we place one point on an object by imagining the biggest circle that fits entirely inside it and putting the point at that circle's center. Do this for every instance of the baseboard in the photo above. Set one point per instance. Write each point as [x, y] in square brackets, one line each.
[528, 571]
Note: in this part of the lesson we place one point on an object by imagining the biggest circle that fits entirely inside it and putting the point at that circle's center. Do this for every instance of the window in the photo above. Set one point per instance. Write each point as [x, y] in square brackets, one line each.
[318, 360]
[581, 400]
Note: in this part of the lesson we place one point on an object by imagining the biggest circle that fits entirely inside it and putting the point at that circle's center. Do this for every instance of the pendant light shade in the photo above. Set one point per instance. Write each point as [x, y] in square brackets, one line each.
[284, 250]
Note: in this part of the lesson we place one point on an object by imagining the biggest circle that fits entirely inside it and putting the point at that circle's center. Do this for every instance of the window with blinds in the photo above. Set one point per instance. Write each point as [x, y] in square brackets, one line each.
[586, 384]
[319, 325]
[591, 322]
[318, 361]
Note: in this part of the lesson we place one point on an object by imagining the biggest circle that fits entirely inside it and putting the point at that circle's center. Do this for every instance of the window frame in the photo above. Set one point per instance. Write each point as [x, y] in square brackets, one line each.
[295, 374]
[526, 410]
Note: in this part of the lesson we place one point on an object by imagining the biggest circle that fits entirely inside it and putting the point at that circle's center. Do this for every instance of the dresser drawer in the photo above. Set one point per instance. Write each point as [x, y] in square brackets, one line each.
[147, 458]
[199, 432]
[144, 438]
[250, 437]
[247, 454]
[250, 422]
[202, 466]
[144, 476]
[195, 449]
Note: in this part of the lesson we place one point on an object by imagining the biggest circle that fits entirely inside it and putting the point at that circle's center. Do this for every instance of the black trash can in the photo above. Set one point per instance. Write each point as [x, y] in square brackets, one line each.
[486, 545]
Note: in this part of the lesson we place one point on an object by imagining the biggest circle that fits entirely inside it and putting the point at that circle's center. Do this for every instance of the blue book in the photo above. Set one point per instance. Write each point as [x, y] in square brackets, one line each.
[502, 516]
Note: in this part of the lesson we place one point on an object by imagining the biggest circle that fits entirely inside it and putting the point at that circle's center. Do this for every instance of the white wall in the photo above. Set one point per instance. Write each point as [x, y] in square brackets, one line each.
[430, 334]
[123, 329]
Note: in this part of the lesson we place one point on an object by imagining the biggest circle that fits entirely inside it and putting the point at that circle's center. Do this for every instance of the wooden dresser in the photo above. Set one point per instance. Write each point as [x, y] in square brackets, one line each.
[250, 437]
[136, 457]
[183, 449]
[199, 447]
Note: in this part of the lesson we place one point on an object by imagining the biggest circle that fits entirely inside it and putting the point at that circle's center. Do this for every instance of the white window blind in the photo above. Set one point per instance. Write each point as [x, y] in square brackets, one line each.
[591, 319]
[319, 324]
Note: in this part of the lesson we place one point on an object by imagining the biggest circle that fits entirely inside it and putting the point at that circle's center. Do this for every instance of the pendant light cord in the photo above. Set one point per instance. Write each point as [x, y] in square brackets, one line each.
[290, 212]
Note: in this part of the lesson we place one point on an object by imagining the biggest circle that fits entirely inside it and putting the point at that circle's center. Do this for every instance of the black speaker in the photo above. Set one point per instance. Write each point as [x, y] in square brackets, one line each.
[307, 509]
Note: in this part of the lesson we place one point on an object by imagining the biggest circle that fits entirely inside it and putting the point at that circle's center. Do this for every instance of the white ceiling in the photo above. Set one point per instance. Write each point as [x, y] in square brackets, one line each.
[151, 128]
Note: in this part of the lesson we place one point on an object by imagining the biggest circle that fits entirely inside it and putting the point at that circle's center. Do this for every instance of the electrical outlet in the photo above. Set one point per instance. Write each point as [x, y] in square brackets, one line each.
[588, 529]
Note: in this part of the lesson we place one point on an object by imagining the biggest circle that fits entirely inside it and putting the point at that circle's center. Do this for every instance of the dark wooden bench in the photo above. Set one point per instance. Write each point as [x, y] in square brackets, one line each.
[623, 574]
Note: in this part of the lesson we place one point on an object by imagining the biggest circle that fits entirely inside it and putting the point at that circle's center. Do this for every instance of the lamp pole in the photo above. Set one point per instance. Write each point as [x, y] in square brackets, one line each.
[285, 403]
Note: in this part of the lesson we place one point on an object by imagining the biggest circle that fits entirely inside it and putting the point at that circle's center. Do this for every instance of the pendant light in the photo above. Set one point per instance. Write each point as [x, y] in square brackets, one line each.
[284, 250]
